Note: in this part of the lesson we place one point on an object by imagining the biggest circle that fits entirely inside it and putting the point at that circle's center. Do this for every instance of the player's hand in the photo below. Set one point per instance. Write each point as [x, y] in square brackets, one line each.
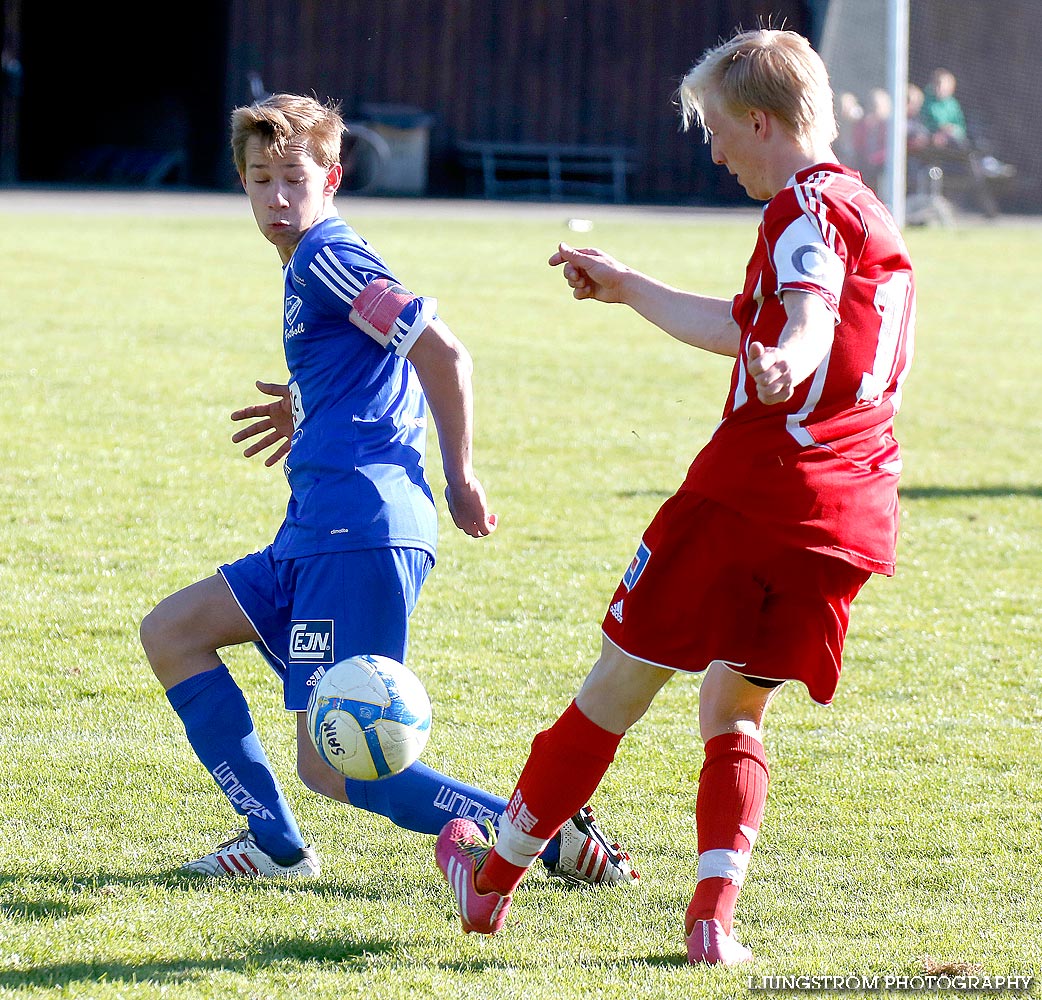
[469, 509]
[591, 274]
[772, 373]
[273, 420]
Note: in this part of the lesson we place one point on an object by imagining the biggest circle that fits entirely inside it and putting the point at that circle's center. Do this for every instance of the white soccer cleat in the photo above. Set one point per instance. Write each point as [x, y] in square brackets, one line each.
[240, 857]
[588, 857]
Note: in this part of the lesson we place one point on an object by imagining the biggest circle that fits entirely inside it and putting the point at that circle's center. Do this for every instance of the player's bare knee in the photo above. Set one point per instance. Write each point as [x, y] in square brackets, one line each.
[314, 773]
[619, 689]
[320, 778]
[730, 703]
[309, 776]
[162, 636]
[150, 633]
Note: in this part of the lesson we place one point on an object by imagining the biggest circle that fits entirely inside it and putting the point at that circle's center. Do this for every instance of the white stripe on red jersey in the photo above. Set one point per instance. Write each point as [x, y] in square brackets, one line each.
[821, 468]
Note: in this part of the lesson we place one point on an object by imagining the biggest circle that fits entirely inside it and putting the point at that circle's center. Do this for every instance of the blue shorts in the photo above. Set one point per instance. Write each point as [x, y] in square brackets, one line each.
[315, 611]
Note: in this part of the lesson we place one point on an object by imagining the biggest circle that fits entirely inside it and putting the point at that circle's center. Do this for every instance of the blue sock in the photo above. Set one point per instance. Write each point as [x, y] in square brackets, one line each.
[220, 729]
[424, 800]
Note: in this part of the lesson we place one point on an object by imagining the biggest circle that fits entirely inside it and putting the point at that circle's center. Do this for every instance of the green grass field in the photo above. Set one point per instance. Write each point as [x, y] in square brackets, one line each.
[902, 827]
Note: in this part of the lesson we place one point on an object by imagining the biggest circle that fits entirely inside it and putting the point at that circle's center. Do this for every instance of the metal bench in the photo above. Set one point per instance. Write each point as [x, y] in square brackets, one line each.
[545, 170]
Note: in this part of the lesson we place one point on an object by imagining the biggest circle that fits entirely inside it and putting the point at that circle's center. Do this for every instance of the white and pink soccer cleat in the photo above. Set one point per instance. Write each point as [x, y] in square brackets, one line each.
[459, 850]
[708, 944]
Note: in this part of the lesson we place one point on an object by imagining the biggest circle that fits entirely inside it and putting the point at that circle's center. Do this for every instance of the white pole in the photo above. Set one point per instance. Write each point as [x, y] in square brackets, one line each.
[897, 79]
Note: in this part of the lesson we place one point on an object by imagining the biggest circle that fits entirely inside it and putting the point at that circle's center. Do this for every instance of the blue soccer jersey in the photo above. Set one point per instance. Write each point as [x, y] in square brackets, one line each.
[356, 465]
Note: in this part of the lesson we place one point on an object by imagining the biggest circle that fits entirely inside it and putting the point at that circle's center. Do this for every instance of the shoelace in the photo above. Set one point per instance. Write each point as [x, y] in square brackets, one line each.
[587, 825]
[237, 838]
[475, 846]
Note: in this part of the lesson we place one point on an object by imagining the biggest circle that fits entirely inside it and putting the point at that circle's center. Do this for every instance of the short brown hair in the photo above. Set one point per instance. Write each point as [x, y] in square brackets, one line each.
[281, 118]
[773, 70]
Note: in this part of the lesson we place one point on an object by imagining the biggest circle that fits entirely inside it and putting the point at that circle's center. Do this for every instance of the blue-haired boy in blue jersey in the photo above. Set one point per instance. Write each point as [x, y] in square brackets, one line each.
[366, 360]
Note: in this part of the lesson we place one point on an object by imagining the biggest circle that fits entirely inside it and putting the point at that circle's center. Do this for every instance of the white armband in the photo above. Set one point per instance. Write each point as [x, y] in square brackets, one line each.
[803, 260]
[382, 310]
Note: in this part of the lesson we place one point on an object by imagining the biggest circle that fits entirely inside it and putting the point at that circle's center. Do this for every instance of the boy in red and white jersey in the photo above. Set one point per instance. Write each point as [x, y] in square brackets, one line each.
[821, 466]
[749, 570]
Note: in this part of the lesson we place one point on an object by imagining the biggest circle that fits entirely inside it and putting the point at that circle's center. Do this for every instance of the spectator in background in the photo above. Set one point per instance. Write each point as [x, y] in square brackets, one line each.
[849, 114]
[941, 112]
[918, 133]
[871, 137]
[943, 118]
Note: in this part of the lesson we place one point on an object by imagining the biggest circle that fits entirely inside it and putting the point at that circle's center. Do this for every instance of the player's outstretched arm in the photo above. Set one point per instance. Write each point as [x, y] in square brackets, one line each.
[273, 420]
[698, 320]
[805, 339]
[445, 369]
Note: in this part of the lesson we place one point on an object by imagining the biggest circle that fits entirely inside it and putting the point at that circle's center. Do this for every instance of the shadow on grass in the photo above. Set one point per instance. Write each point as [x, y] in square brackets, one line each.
[44, 898]
[491, 963]
[968, 492]
[39, 899]
[30, 911]
[475, 965]
[347, 955]
[650, 493]
[996, 491]
[61, 884]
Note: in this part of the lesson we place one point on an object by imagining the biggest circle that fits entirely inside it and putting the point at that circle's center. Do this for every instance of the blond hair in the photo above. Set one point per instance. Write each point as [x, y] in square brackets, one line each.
[280, 119]
[771, 70]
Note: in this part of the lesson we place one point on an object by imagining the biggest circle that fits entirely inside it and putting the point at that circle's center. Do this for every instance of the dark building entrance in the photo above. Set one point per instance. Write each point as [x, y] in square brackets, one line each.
[98, 94]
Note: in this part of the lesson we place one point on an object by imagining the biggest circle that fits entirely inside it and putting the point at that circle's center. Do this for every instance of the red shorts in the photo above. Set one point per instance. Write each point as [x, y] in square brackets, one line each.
[707, 584]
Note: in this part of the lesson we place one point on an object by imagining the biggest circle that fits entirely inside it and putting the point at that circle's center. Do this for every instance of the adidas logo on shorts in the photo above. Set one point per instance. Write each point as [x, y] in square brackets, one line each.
[616, 611]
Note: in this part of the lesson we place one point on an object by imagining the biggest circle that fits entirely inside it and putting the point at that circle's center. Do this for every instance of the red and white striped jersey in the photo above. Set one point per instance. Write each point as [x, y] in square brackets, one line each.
[821, 469]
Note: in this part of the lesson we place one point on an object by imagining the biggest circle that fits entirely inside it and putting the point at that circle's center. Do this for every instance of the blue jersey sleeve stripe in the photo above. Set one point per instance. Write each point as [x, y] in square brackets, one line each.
[408, 333]
[338, 279]
[349, 274]
[346, 283]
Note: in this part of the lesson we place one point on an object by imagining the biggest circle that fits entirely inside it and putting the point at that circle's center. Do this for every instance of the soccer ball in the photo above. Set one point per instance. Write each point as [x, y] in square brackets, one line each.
[369, 717]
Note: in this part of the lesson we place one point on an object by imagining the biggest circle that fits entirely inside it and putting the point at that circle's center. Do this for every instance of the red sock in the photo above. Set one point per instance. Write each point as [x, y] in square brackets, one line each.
[732, 790]
[566, 765]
